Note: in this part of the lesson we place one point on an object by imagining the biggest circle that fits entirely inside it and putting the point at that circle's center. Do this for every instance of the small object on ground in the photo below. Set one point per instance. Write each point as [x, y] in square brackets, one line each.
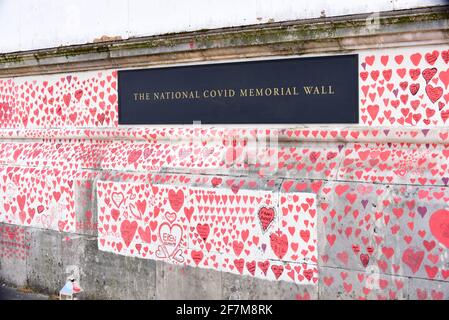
[70, 290]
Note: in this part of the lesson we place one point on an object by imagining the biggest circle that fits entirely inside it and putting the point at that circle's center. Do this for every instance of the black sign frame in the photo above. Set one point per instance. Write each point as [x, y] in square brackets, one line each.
[178, 94]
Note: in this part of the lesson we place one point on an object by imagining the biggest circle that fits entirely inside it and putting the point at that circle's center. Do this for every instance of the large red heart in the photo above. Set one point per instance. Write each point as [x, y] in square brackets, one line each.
[266, 216]
[141, 205]
[429, 73]
[145, 234]
[203, 230]
[413, 259]
[134, 156]
[439, 226]
[176, 199]
[279, 244]
[127, 230]
[197, 256]
[21, 201]
[434, 93]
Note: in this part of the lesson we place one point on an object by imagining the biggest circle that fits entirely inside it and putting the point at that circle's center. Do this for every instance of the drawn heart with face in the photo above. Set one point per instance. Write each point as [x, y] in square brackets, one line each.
[439, 226]
[170, 236]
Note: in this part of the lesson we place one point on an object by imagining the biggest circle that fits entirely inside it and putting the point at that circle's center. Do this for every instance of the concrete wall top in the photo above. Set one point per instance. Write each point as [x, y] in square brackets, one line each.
[48, 23]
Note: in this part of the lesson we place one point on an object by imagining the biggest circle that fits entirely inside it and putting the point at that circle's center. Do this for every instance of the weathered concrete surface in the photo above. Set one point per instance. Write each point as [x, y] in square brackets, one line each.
[14, 271]
[421, 289]
[177, 282]
[248, 288]
[45, 266]
[347, 284]
[105, 275]
[55, 256]
[13, 262]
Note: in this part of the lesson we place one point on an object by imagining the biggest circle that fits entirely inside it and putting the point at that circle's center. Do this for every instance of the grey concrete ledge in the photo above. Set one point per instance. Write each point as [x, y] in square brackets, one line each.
[284, 133]
[342, 34]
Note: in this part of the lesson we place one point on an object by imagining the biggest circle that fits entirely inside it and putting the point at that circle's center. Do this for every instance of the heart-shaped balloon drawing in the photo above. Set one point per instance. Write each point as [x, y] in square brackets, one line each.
[439, 226]
[178, 257]
[170, 216]
[160, 253]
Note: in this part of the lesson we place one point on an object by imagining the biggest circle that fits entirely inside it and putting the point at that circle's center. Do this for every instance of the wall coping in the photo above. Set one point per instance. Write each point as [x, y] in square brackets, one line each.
[285, 134]
[399, 28]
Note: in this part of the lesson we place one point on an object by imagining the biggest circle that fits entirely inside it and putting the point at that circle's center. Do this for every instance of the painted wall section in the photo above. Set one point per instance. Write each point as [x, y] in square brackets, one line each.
[398, 87]
[337, 212]
[77, 22]
[248, 232]
[409, 87]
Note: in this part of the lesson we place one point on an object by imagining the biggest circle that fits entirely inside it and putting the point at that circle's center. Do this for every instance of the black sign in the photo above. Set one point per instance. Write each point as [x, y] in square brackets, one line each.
[300, 90]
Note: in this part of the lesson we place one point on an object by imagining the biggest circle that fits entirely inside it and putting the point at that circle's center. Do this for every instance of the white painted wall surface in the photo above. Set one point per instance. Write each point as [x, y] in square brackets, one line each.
[29, 24]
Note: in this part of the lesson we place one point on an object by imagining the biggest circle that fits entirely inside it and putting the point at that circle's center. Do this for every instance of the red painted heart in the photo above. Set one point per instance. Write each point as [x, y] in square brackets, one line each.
[279, 244]
[266, 217]
[128, 230]
[439, 226]
[176, 199]
[434, 93]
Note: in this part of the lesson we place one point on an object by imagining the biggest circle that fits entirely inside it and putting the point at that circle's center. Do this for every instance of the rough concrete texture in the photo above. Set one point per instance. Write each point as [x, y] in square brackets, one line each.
[180, 282]
[236, 287]
[104, 275]
[45, 259]
[13, 252]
